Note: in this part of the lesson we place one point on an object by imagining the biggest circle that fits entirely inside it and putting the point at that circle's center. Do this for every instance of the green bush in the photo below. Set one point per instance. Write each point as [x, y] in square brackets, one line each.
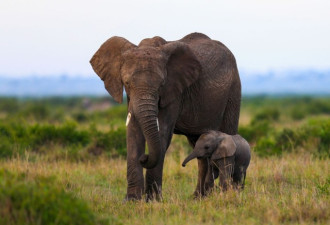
[112, 142]
[266, 146]
[6, 148]
[319, 129]
[298, 113]
[36, 111]
[288, 140]
[255, 130]
[65, 135]
[9, 105]
[80, 117]
[319, 106]
[268, 114]
[118, 112]
[40, 201]
[13, 139]
[18, 137]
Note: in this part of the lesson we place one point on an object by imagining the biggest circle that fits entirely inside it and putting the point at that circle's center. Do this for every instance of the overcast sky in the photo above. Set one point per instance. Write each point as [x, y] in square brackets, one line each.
[44, 37]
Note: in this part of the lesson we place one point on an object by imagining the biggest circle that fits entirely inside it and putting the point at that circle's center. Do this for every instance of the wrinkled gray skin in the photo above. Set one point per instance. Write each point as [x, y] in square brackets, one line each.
[229, 157]
[184, 87]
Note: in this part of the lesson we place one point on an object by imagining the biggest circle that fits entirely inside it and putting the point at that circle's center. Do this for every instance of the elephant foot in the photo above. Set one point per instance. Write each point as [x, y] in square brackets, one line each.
[154, 192]
[130, 198]
[154, 197]
[198, 196]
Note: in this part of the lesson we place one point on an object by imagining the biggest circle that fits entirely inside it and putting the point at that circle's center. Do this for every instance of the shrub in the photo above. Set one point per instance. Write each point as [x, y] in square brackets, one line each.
[268, 114]
[266, 146]
[298, 113]
[65, 135]
[255, 130]
[118, 112]
[113, 142]
[319, 106]
[6, 148]
[276, 143]
[19, 137]
[80, 117]
[12, 139]
[9, 105]
[36, 111]
[288, 140]
[319, 129]
[40, 201]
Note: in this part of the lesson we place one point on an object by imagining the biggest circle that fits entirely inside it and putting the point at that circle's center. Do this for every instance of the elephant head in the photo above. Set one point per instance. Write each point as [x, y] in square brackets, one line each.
[154, 74]
[213, 144]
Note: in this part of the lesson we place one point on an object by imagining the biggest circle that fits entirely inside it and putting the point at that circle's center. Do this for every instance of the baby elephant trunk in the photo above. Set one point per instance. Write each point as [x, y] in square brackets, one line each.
[189, 157]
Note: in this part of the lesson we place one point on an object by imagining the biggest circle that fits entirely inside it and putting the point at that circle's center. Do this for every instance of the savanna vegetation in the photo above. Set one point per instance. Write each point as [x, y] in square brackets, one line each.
[62, 161]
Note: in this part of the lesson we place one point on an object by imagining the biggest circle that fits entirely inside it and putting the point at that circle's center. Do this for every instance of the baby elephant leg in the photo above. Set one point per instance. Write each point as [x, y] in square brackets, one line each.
[226, 170]
[239, 177]
[211, 175]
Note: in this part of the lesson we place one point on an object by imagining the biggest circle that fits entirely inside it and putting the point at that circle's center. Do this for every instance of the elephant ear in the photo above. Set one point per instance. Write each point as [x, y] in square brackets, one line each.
[183, 69]
[106, 63]
[226, 148]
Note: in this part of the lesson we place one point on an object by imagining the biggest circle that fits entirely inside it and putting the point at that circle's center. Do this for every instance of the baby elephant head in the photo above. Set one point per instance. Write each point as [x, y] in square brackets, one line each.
[213, 144]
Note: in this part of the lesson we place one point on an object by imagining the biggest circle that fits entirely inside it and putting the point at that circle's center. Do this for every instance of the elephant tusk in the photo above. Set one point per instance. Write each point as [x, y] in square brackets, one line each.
[128, 118]
[157, 124]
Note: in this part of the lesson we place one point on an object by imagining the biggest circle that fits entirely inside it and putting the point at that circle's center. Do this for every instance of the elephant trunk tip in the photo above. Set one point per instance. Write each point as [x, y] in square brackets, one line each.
[143, 159]
[189, 158]
[146, 162]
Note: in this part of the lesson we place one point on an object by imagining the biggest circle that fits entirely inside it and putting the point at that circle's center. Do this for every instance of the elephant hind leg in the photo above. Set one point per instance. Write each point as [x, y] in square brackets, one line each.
[239, 178]
[230, 119]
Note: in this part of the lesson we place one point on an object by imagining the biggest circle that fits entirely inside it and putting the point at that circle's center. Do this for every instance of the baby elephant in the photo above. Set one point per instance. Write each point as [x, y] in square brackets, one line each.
[230, 157]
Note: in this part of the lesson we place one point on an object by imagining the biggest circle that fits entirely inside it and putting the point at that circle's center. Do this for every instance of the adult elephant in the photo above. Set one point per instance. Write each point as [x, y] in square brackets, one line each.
[184, 87]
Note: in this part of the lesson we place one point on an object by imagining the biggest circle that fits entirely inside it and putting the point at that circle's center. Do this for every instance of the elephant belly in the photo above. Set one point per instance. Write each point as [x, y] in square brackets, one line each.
[198, 118]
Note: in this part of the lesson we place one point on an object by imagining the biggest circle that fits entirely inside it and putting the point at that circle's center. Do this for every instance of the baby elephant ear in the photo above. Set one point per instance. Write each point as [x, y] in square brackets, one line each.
[226, 148]
[106, 63]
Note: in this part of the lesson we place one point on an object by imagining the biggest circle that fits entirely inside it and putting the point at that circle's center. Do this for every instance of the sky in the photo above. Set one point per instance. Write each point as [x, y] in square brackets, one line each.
[54, 37]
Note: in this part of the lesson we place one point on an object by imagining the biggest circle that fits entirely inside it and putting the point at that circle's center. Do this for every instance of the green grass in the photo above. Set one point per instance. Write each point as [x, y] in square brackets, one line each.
[290, 189]
[62, 161]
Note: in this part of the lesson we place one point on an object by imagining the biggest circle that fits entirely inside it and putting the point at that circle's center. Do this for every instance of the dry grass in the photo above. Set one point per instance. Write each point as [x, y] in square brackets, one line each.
[293, 189]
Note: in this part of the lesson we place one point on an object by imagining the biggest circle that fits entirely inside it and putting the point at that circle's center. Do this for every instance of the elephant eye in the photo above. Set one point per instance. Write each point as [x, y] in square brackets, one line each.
[206, 147]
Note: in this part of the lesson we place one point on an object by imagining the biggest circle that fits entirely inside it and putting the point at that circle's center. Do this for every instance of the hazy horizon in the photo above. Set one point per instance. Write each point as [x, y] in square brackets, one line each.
[46, 38]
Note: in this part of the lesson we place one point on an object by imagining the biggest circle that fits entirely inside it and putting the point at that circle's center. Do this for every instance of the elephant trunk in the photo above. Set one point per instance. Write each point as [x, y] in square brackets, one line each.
[190, 157]
[146, 110]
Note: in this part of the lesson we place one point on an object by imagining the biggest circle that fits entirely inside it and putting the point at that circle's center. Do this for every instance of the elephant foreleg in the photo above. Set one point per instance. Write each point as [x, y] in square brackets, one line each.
[202, 172]
[154, 176]
[154, 182]
[211, 175]
[135, 147]
[226, 170]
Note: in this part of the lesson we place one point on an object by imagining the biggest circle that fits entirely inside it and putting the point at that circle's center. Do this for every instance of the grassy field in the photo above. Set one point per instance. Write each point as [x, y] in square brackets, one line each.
[62, 161]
